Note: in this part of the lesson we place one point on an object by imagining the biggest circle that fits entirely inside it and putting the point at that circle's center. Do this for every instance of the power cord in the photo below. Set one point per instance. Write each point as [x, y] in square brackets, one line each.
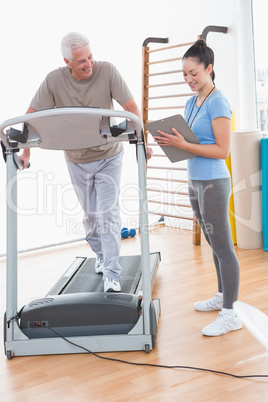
[159, 365]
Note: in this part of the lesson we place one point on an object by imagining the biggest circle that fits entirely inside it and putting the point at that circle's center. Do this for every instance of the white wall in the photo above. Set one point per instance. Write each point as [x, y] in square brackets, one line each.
[30, 35]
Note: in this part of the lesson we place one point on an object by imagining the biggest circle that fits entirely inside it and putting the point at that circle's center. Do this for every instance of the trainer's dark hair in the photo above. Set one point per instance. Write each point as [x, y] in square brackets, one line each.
[203, 55]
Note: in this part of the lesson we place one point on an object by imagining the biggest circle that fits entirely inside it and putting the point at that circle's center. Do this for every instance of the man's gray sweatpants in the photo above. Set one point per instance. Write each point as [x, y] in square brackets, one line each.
[97, 186]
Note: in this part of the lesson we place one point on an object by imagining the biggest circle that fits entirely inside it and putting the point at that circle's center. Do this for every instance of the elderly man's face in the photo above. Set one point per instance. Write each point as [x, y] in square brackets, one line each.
[82, 64]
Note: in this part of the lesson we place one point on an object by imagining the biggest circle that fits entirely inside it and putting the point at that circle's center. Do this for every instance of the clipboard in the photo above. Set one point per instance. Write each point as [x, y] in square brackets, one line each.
[177, 121]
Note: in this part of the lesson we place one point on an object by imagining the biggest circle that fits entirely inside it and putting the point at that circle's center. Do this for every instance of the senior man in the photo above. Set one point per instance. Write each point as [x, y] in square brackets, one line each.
[95, 172]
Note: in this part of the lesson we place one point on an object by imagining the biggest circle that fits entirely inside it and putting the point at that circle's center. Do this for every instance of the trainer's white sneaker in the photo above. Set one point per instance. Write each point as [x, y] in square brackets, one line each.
[111, 285]
[99, 266]
[215, 303]
[223, 324]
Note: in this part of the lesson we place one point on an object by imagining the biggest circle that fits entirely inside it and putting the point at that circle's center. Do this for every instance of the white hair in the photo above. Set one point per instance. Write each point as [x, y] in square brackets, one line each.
[72, 41]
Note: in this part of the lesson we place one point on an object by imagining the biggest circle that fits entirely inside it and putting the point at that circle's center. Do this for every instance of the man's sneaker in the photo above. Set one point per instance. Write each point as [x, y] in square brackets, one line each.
[99, 266]
[111, 285]
[223, 324]
[215, 303]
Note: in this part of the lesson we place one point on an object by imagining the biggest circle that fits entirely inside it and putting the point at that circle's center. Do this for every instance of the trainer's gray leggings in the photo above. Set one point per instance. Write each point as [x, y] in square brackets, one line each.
[210, 202]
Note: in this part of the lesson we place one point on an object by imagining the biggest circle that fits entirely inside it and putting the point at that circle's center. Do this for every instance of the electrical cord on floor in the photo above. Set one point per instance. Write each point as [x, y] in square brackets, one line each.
[159, 365]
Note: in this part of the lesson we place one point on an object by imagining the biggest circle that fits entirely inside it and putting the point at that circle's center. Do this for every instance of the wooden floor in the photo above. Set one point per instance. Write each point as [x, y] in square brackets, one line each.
[185, 275]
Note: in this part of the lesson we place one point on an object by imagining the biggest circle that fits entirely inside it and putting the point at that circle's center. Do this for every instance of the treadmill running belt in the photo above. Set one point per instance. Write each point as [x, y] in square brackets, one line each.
[86, 279]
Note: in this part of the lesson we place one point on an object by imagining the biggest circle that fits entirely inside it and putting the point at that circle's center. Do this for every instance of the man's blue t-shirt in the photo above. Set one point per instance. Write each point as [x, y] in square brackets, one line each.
[216, 105]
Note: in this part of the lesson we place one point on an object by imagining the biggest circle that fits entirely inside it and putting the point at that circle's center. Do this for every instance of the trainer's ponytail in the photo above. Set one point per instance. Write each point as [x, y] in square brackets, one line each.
[203, 54]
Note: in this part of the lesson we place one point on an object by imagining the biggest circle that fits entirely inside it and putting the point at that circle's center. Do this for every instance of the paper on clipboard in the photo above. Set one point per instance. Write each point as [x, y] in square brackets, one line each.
[177, 121]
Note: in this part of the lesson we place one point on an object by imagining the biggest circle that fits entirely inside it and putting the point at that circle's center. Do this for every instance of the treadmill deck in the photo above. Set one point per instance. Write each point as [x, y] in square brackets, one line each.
[81, 277]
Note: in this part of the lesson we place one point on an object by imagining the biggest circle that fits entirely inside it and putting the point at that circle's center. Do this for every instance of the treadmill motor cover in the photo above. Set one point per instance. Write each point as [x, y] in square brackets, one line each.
[80, 314]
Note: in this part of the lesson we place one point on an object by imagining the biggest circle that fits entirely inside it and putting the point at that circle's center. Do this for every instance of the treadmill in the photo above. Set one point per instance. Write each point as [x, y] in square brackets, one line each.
[76, 316]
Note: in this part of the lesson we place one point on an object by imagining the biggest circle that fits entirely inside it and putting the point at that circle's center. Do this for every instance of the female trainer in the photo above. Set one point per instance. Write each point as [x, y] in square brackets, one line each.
[209, 115]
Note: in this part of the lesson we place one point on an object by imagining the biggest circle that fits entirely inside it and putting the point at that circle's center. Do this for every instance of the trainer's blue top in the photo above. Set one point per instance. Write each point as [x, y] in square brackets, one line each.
[216, 105]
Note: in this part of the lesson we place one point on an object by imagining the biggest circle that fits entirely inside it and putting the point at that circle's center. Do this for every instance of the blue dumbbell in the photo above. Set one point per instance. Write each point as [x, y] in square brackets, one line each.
[132, 232]
[124, 233]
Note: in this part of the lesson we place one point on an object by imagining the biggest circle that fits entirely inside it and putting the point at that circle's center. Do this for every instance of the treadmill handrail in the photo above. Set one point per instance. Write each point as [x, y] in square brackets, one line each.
[82, 111]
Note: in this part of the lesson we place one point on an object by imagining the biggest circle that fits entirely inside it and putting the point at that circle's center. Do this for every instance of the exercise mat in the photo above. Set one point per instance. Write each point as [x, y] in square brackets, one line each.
[228, 162]
[245, 152]
[264, 191]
